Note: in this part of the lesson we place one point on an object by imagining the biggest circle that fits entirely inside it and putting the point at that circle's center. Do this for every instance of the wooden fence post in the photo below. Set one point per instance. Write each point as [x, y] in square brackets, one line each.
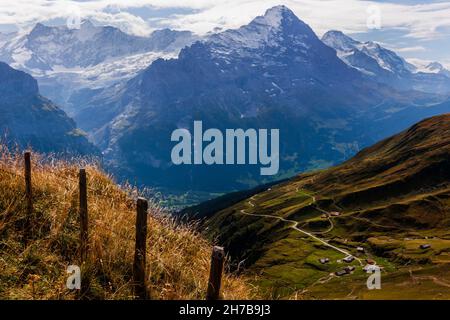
[215, 275]
[28, 192]
[83, 211]
[84, 235]
[139, 279]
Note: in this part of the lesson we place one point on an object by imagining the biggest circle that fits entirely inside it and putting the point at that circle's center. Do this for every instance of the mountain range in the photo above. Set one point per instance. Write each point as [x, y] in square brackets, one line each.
[68, 62]
[272, 73]
[329, 97]
[386, 66]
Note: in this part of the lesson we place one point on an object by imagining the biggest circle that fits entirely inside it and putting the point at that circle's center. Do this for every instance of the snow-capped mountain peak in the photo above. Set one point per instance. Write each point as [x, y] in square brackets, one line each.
[436, 67]
[274, 17]
[275, 28]
[87, 31]
[339, 41]
[38, 29]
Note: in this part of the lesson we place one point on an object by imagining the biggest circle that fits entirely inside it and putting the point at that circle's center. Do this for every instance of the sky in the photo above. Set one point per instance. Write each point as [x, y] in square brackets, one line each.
[416, 29]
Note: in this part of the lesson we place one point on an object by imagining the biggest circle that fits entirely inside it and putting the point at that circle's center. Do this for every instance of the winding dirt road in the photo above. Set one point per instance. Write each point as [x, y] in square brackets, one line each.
[294, 225]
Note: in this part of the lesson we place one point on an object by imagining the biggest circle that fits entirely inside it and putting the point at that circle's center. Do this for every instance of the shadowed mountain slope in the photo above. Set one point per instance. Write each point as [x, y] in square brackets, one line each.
[28, 119]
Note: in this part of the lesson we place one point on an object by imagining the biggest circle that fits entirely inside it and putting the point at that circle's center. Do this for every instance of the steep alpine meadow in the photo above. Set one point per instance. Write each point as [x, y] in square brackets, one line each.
[388, 205]
[34, 261]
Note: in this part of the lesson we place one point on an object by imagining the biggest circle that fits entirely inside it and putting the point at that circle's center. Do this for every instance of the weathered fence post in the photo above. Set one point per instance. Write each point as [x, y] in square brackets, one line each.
[83, 211]
[28, 192]
[139, 279]
[84, 235]
[215, 275]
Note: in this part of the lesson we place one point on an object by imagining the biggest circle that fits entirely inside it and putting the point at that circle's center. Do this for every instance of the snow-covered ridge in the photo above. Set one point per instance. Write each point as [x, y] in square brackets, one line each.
[44, 47]
[110, 71]
[360, 55]
[65, 60]
[427, 66]
[339, 41]
[349, 49]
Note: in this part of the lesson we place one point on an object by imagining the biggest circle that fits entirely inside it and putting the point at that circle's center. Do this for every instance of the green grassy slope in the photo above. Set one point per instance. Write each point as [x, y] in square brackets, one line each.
[391, 198]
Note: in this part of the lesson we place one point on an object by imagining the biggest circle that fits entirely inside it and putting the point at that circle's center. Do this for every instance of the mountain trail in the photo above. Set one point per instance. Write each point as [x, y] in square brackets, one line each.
[295, 227]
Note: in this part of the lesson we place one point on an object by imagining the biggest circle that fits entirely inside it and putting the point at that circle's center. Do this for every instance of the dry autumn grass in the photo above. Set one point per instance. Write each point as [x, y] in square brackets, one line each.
[177, 257]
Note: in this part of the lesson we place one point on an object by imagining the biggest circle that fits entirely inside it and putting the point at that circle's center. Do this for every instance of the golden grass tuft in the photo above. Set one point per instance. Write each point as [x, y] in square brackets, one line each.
[34, 267]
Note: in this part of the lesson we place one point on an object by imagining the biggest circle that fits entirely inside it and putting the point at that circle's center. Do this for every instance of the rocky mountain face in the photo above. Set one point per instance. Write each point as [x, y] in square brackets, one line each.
[29, 120]
[70, 62]
[272, 73]
[386, 66]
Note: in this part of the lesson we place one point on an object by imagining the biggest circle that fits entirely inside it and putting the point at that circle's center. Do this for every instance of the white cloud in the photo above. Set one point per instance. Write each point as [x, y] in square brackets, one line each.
[125, 21]
[410, 49]
[425, 21]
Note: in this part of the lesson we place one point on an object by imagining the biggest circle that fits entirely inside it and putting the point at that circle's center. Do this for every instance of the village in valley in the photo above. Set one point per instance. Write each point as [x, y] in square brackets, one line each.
[369, 265]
